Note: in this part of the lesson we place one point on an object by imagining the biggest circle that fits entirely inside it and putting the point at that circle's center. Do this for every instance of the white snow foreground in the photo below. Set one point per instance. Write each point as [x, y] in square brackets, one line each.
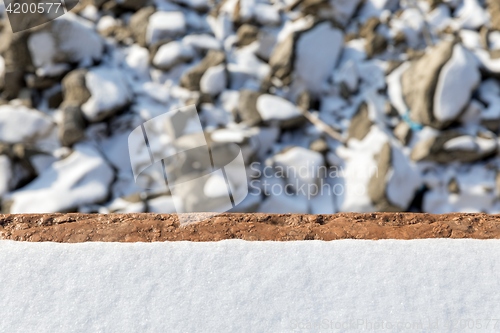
[237, 286]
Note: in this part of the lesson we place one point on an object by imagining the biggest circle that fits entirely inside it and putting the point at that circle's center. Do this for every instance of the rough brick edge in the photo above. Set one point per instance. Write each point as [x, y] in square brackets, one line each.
[75, 227]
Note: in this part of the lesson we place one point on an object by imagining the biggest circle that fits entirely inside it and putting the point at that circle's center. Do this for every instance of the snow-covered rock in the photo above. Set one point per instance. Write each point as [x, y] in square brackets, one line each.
[284, 204]
[70, 38]
[272, 107]
[165, 25]
[22, 124]
[214, 80]
[171, 54]
[79, 179]
[109, 92]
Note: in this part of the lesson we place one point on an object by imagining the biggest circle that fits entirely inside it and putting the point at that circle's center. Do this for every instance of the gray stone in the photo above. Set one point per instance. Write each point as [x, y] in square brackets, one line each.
[75, 91]
[139, 24]
[72, 128]
[377, 185]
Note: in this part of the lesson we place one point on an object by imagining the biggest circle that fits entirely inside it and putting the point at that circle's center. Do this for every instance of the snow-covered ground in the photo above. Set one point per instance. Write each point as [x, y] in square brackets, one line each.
[401, 99]
[237, 286]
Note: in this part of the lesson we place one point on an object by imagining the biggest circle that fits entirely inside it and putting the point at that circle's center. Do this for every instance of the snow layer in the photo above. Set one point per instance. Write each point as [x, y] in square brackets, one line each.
[238, 286]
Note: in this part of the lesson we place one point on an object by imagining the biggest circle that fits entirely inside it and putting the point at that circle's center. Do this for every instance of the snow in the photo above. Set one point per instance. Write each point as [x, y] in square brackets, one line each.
[476, 189]
[471, 39]
[266, 14]
[165, 24]
[280, 203]
[5, 174]
[360, 166]
[456, 82]
[171, 54]
[77, 39]
[272, 107]
[81, 178]
[403, 180]
[109, 91]
[303, 166]
[471, 15]
[229, 286]
[461, 143]
[494, 40]
[440, 17]
[214, 80]
[317, 53]
[344, 9]
[395, 89]
[19, 123]
[202, 42]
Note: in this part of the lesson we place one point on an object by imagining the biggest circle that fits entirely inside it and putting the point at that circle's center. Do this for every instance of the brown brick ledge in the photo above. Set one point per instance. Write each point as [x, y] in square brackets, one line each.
[147, 227]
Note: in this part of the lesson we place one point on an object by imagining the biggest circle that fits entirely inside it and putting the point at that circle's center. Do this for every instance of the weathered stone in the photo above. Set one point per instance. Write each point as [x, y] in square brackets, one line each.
[281, 60]
[319, 145]
[72, 128]
[369, 27]
[377, 185]
[453, 186]
[375, 44]
[14, 49]
[403, 132]
[139, 24]
[74, 87]
[360, 123]
[494, 9]
[420, 80]
[247, 34]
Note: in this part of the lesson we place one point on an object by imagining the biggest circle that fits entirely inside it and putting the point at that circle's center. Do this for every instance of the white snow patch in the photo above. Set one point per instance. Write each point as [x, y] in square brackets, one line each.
[170, 54]
[5, 174]
[272, 107]
[81, 178]
[214, 80]
[457, 80]
[403, 179]
[19, 123]
[316, 54]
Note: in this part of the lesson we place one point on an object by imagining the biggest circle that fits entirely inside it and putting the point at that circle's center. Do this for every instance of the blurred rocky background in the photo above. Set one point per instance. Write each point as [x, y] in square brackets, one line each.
[398, 100]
